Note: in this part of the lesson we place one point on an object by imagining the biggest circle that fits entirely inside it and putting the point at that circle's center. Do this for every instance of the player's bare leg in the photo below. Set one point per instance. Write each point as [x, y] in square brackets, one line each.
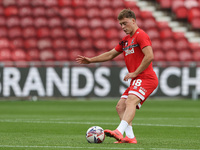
[121, 107]
[131, 103]
[130, 137]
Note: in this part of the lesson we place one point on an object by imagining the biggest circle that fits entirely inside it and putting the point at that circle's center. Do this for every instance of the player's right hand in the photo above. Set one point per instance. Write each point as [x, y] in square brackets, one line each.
[82, 60]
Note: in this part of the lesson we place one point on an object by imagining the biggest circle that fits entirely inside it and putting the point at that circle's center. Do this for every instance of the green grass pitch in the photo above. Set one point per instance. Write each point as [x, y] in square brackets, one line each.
[48, 125]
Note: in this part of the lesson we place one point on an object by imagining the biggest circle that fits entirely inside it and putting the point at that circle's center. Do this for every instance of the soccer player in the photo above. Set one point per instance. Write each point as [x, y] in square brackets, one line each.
[138, 56]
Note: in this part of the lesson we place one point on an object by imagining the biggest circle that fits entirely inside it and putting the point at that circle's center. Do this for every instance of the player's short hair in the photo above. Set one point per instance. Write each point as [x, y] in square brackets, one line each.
[126, 13]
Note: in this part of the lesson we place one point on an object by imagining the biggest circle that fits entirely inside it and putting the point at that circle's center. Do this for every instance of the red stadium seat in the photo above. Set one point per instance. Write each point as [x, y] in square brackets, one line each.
[3, 31]
[98, 33]
[162, 24]
[100, 44]
[27, 21]
[43, 32]
[72, 43]
[159, 55]
[19, 55]
[70, 33]
[192, 13]
[52, 12]
[25, 11]
[104, 4]
[171, 55]
[54, 22]
[166, 33]
[4, 43]
[78, 3]
[91, 3]
[96, 23]
[47, 55]
[165, 4]
[191, 3]
[139, 22]
[85, 32]
[118, 3]
[112, 43]
[15, 32]
[86, 44]
[149, 23]
[109, 23]
[62, 3]
[2, 21]
[112, 33]
[178, 35]
[67, 12]
[196, 55]
[13, 21]
[29, 32]
[89, 53]
[50, 3]
[57, 32]
[23, 2]
[7, 3]
[69, 22]
[181, 44]
[93, 12]
[30, 43]
[17, 43]
[121, 34]
[153, 33]
[80, 12]
[10, 11]
[38, 11]
[194, 46]
[59, 43]
[129, 4]
[168, 44]
[176, 4]
[82, 22]
[61, 55]
[37, 3]
[33, 55]
[41, 22]
[44, 43]
[181, 12]
[5, 54]
[185, 55]
[195, 23]
[146, 14]
[74, 53]
[107, 12]
[156, 44]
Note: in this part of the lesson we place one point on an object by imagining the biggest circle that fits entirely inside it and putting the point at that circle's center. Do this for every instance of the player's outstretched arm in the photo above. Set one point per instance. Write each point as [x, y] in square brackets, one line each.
[82, 60]
[100, 58]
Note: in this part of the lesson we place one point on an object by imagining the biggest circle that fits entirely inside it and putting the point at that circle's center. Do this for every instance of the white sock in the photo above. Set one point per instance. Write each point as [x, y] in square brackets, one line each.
[129, 132]
[122, 126]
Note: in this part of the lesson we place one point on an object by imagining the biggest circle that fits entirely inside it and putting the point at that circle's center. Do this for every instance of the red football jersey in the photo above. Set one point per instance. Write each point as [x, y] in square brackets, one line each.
[132, 50]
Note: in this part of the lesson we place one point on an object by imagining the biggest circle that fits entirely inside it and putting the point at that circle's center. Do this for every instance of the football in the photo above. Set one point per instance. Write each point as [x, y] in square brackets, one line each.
[95, 134]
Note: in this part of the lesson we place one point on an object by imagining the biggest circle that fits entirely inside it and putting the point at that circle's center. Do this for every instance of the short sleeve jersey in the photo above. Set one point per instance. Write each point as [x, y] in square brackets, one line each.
[132, 50]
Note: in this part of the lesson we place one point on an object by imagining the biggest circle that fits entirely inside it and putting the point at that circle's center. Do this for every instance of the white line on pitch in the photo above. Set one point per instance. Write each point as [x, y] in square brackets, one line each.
[74, 147]
[92, 123]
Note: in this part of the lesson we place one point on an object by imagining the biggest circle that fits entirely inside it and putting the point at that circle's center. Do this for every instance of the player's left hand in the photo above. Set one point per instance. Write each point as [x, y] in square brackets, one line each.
[129, 76]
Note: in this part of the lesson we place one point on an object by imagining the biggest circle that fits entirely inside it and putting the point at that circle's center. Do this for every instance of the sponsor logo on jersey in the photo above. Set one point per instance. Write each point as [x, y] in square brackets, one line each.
[142, 91]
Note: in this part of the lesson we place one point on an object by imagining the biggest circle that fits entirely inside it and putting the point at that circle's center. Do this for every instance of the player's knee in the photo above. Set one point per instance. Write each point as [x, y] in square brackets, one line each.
[120, 108]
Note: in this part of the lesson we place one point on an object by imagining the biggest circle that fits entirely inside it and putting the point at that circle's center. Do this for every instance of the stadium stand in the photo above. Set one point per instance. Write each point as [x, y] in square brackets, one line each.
[59, 30]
